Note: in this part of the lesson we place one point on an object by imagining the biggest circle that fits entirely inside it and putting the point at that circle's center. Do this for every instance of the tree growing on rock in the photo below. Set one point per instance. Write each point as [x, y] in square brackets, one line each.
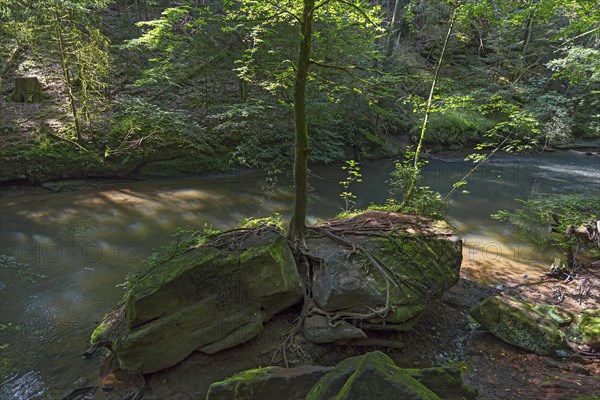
[305, 16]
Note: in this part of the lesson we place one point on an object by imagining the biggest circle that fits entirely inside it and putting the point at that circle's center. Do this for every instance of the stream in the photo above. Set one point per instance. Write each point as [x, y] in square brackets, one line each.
[66, 253]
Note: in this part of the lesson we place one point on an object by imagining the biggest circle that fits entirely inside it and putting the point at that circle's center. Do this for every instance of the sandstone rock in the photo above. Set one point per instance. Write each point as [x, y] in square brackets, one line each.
[446, 382]
[519, 323]
[267, 383]
[208, 298]
[370, 376]
[318, 329]
[420, 259]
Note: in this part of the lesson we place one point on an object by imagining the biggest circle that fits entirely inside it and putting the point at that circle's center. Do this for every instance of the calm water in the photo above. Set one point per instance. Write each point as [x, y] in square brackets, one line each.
[85, 242]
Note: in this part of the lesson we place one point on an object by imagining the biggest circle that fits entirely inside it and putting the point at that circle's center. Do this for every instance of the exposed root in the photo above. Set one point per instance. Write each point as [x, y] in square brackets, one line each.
[235, 239]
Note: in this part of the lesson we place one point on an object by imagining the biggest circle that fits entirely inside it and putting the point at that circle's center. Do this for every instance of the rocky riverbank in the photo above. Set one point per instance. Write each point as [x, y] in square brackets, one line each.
[443, 334]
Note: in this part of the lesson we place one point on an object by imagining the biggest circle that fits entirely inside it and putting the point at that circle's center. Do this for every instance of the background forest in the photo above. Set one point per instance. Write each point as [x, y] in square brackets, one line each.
[171, 87]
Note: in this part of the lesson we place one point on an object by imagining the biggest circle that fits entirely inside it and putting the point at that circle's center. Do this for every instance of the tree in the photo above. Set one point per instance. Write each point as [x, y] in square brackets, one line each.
[82, 52]
[298, 222]
[304, 14]
[412, 183]
[64, 32]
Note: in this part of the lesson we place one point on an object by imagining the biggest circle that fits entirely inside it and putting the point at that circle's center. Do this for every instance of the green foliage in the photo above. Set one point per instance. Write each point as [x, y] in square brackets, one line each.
[454, 128]
[518, 129]
[543, 221]
[200, 78]
[138, 125]
[423, 201]
[353, 175]
[579, 65]
[271, 220]
[554, 113]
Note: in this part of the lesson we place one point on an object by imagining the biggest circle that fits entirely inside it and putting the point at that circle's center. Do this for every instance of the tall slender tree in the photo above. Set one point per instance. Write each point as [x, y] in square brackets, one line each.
[304, 15]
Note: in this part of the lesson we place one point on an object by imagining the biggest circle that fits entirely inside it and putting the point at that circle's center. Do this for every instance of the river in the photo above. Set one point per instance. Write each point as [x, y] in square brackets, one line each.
[78, 246]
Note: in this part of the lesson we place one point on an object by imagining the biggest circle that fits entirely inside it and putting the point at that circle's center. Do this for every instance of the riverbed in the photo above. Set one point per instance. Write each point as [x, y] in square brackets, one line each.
[69, 251]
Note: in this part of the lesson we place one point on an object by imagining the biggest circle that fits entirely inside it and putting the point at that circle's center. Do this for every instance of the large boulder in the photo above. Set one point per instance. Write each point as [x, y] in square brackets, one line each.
[379, 268]
[369, 376]
[519, 323]
[208, 298]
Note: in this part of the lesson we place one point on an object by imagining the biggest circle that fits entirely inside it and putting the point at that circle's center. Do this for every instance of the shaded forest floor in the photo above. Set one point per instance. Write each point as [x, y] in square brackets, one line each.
[445, 336]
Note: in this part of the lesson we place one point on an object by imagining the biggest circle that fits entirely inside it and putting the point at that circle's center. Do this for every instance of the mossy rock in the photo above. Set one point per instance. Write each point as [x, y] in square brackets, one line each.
[370, 376]
[585, 330]
[420, 259]
[555, 313]
[446, 382]
[267, 383]
[590, 328]
[519, 323]
[208, 298]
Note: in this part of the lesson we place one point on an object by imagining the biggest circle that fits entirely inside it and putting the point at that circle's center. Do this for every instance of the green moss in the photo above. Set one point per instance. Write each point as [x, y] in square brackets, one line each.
[590, 326]
[557, 314]
[97, 333]
[519, 323]
[373, 375]
[281, 255]
[248, 375]
[454, 128]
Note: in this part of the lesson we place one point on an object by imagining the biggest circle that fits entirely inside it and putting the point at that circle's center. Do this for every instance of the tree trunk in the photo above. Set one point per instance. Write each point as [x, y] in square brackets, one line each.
[66, 73]
[27, 89]
[416, 168]
[394, 33]
[298, 222]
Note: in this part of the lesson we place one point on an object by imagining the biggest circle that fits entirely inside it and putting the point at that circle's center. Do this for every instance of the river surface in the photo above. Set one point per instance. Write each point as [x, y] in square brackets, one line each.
[66, 253]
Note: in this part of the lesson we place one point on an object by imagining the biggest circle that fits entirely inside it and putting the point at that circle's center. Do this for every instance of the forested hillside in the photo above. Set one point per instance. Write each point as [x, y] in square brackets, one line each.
[172, 87]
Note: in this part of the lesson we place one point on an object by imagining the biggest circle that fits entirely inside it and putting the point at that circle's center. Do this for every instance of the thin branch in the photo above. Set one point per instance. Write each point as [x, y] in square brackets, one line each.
[325, 2]
[477, 166]
[579, 36]
[346, 67]
[285, 11]
[361, 11]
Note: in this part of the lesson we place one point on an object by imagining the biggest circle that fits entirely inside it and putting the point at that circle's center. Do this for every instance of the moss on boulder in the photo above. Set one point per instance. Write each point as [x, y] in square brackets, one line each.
[370, 376]
[446, 382]
[419, 259]
[555, 313]
[208, 298]
[584, 332]
[267, 383]
[589, 326]
[519, 323]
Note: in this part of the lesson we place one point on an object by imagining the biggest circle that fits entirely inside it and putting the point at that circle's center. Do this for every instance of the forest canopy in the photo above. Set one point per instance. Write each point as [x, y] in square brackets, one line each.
[194, 86]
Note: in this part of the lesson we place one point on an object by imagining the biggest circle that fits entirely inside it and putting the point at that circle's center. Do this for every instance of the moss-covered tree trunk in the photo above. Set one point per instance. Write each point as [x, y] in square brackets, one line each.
[27, 89]
[298, 222]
